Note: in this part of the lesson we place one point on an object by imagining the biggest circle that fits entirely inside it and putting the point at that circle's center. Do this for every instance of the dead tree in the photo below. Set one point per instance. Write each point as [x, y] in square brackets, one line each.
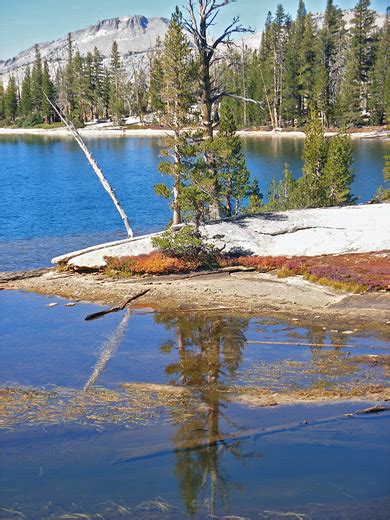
[201, 16]
[106, 185]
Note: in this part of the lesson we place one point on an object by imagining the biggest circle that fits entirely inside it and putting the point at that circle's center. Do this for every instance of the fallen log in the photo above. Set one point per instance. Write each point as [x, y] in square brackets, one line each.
[96, 315]
[159, 450]
[374, 409]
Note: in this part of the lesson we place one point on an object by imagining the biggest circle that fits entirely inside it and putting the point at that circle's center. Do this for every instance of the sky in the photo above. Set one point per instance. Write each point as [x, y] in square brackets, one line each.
[26, 22]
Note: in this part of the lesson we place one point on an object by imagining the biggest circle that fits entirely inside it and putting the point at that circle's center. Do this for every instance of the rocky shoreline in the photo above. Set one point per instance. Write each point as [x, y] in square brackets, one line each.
[104, 131]
[230, 290]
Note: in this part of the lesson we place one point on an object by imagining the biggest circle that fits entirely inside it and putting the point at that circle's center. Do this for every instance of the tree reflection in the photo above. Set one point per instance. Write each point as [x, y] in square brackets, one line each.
[210, 352]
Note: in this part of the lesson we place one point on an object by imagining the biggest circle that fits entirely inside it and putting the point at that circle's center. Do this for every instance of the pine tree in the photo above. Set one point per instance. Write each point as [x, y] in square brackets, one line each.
[26, 98]
[11, 100]
[379, 94]
[333, 44]
[97, 83]
[2, 100]
[361, 59]
[255, 198]
[176, 98]
[156, 104]
[315, 153]
[338, 172]
[265, 68]
[283, 195]
[307, 59]
[78, 90]
[48, 89]
[117, 107]
[279, 37]
[36, 85]
[233, 175]
[293, 102]
[106, 87]
[68, 80]
[89, 86]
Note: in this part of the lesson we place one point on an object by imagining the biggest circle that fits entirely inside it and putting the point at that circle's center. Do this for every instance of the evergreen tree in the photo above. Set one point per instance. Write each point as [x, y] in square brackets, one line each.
[233, 175]
[68, 81]
[307, 59]
[315, 153]
[283, 195]
[156, 105]
[117, 106]
[2, 100]
[333, 44]
[255, 198]
[176, 98]
[106, 88]
[48, 89]
[293, 104]
[361, 58]
[36, 85]
[97, 83]
[78, 90]
[89, 86]
[338, 172]
[379, 95]
[26, 98]
[11, 100]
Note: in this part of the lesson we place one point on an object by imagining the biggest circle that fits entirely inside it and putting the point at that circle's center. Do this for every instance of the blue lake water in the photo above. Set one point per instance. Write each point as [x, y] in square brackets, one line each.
[51, 202]
[79, 440]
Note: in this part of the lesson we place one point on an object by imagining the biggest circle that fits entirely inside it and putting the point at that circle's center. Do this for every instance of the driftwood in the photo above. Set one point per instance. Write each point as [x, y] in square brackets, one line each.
[374, 409]
[96, 315]
[106, 185]
[159, 450]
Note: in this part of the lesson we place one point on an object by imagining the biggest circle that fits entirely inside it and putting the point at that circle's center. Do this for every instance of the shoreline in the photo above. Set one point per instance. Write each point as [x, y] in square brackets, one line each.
[228, 291]
[152, 132]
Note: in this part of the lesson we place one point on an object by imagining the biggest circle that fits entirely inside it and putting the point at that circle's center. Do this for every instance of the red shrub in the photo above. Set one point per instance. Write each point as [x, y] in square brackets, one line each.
[152, 263]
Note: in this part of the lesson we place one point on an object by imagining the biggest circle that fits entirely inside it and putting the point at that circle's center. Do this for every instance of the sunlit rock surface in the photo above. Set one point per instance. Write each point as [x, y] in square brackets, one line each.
[309, 232]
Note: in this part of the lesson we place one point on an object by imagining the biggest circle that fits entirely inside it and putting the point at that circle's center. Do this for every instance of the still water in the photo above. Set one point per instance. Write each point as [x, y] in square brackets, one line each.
[142, 415]
[51, 202]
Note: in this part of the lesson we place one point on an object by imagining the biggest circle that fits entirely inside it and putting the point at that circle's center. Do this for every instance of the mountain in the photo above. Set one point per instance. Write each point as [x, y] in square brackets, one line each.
[136, 37]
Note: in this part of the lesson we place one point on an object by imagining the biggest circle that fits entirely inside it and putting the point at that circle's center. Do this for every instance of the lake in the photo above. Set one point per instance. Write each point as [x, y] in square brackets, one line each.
[136, 416]
[51, 201]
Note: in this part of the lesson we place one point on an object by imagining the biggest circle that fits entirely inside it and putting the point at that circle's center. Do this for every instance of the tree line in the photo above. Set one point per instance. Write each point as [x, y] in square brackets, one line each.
[208, 177]
[341, 73]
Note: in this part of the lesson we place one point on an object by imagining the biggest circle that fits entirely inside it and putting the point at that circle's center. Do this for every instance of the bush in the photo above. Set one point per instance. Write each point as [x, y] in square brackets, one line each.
[187, 245]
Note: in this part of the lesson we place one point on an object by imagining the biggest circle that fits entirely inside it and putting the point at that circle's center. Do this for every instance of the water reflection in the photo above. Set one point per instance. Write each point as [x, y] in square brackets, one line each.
[161, 401]
[210, 353]
[208, 349]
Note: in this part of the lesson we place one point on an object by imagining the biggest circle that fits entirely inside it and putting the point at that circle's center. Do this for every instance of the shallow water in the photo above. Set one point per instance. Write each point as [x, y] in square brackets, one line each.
[51, 201]
[81, 433]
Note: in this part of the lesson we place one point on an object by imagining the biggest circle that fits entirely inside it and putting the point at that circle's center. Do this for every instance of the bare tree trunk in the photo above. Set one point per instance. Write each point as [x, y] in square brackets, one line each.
[106, 185]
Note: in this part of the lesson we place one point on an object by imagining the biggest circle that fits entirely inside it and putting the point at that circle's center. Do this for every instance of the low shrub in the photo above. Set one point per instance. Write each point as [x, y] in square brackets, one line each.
[350, 272]
[187, 245]
[353, 272]
[152, 263]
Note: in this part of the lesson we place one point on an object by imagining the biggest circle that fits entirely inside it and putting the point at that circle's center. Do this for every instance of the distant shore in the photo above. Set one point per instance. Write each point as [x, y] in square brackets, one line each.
[98, 131]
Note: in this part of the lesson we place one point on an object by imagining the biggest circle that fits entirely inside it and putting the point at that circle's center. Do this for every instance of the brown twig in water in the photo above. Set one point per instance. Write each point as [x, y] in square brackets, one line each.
[96, 315]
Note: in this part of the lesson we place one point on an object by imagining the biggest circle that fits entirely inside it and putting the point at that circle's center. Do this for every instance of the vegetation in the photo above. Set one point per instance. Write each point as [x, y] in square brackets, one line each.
[188, 245]
[343, 74]
[352, 272]
[302, 74]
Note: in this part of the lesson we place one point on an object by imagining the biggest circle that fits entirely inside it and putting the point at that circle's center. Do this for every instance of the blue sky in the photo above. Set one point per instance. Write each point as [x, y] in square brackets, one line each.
[26, 22]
